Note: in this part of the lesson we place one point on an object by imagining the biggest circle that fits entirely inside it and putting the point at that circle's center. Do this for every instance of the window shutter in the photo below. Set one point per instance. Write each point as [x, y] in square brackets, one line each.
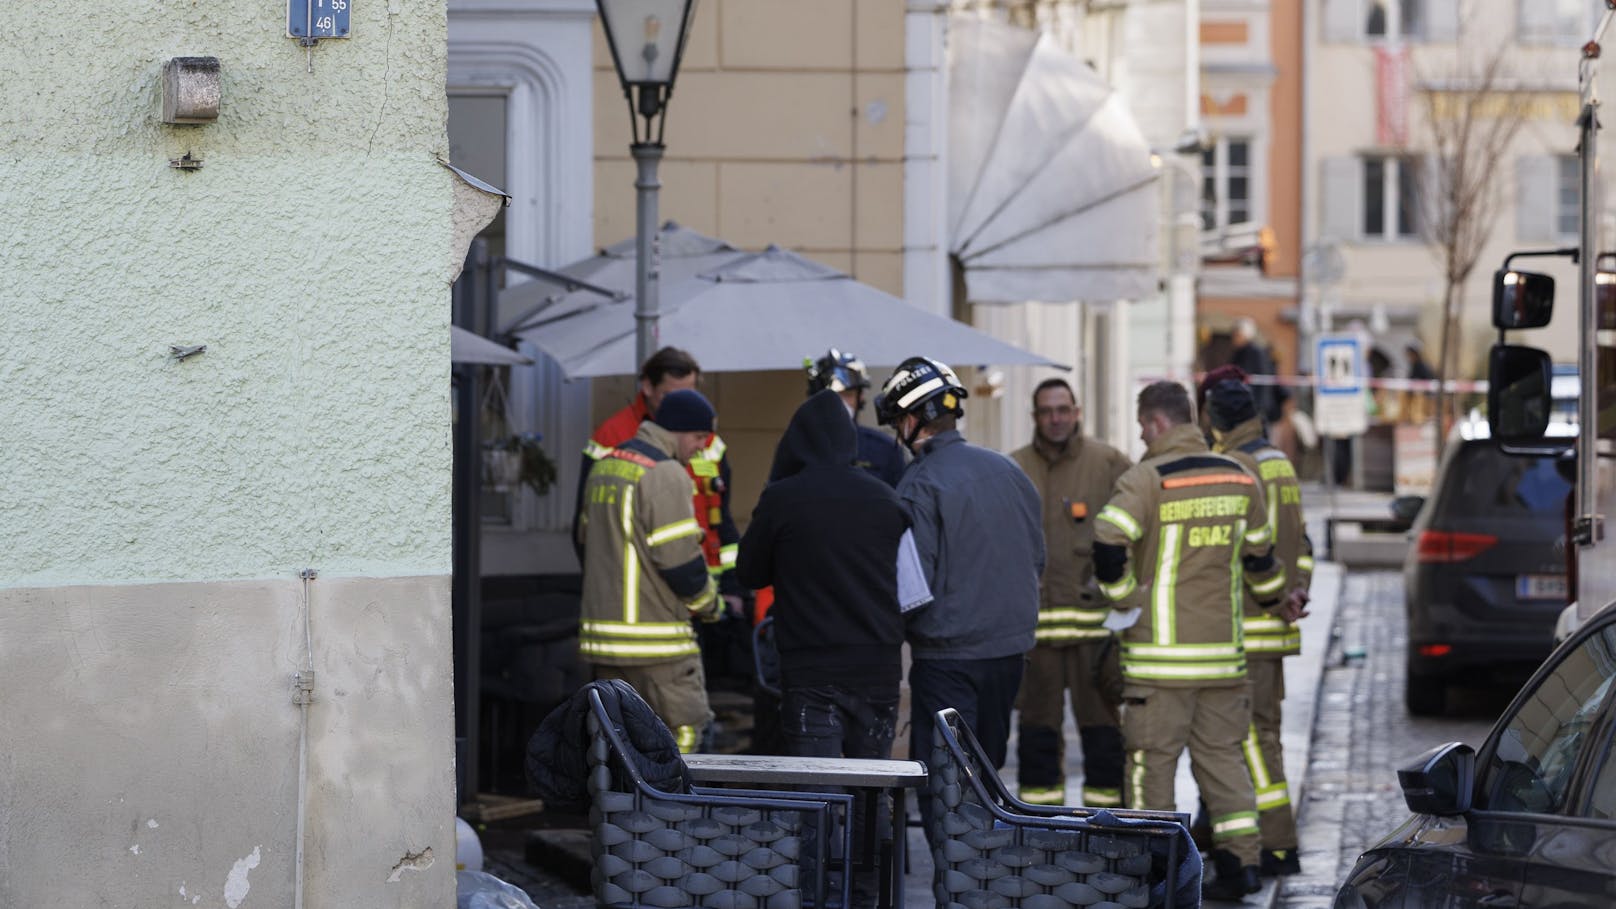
[1442, 21]
[1341, 194]
[1343, 21]
[1537, 197]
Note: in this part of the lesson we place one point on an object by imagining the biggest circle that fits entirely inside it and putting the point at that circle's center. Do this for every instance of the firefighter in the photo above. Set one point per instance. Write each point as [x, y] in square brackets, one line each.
[845, 374]
[726, 647]
[668, 370]
[1075, 651]
[644, 573]
[1185, 531]
[1237, 431]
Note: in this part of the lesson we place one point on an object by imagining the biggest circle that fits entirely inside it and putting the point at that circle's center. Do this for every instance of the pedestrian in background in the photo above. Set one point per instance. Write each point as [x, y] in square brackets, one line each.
[845, 374]
[1252, 356]
[644, 573]
[1270, 635]
[1184, 531]
[977, 529]
[1075, 652]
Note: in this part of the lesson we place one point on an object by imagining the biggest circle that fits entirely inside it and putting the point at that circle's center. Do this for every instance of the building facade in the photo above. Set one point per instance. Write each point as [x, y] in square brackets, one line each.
[224, 612]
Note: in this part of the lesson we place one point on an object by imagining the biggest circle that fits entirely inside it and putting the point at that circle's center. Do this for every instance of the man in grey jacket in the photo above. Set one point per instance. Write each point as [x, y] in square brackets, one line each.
[978, 529]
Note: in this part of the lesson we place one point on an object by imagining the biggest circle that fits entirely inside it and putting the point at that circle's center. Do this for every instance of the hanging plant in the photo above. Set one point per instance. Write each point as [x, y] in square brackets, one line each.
[518, 458]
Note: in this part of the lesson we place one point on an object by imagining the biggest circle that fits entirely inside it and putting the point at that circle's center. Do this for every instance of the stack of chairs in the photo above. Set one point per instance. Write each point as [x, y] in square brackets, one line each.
[709, 848]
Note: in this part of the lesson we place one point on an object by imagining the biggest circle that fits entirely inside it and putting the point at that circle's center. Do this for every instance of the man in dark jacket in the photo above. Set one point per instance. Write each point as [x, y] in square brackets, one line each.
[827, 536]
[979, 531]
[845, 374]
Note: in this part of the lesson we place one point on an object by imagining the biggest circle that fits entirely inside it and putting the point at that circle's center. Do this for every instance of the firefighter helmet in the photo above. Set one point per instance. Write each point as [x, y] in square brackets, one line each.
[923, 387]
[836, 371]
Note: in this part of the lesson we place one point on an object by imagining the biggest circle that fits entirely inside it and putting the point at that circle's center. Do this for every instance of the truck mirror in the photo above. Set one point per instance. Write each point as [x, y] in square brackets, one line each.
[1521, 299]
[1518, 397]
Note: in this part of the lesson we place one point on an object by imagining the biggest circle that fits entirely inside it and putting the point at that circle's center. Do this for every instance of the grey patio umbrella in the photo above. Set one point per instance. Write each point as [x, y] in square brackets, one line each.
[470, 347]
[683, 253]
[763, 311]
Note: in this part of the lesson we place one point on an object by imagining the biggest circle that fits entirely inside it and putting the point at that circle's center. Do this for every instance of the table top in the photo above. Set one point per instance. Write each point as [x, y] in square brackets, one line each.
[809, 771]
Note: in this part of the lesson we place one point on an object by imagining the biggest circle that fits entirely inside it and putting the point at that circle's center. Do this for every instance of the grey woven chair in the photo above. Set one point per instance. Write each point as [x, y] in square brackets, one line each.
[709, 848]
[994, 851]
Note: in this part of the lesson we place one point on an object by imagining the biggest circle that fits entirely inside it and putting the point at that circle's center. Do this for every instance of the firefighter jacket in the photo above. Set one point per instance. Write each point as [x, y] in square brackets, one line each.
[644, 575]
[1269, 636]
[1184, 531]
[708, 470]
[1074, 483]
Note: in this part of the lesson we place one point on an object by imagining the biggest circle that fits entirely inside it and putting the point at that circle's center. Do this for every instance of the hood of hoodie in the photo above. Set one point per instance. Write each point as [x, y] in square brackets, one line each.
[821, 434]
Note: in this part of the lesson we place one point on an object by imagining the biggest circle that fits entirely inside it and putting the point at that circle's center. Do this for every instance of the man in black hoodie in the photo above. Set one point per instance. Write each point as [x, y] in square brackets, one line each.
[827, 535]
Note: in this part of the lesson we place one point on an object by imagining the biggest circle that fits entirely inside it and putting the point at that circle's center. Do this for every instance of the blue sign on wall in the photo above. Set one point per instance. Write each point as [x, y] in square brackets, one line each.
[317, 18]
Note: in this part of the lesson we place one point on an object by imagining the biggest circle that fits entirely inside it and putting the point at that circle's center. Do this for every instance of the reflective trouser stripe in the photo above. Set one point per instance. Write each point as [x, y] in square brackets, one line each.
[687, 737]
[1254, 759]
[1043, 795]
[650, 649]
[1136, 778]
[1098, 797]
[1234, 826]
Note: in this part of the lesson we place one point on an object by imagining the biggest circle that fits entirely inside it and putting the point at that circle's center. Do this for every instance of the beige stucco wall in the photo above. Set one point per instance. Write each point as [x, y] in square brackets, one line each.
[1406, 276]
[786, 126]
[152, 737]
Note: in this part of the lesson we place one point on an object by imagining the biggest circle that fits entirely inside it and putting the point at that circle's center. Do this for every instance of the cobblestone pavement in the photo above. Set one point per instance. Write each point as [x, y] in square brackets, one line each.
[1363, 733]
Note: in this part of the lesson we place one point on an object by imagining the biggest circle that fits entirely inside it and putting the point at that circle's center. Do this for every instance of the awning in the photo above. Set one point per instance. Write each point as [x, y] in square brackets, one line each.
[1051, 192]
[760, 311]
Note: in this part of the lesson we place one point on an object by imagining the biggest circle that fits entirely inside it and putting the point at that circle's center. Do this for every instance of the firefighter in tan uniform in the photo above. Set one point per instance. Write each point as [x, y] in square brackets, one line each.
[645, 575]
[1237, 431]
[1185, 532]
[1074, 652]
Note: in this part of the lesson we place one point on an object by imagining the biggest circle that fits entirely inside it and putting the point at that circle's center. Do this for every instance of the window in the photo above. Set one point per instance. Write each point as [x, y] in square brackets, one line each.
[1226, 177]
[1568, 22]
[1390, 198]
[1387, 19]
[1531, 768]
[1568, 191]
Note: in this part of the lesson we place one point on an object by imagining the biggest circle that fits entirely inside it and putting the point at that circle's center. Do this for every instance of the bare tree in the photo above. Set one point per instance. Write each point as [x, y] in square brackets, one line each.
[1474, 117]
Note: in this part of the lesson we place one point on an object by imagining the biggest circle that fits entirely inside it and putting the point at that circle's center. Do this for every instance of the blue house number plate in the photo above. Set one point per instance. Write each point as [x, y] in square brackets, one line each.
[317, 18]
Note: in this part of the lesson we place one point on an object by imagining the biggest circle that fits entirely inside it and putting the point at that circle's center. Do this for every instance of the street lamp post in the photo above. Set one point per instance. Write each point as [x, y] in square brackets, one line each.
[647, 38]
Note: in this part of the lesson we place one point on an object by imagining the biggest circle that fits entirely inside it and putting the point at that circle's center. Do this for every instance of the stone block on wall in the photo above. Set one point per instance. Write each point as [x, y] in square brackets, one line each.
[802, 206]
[786, 34]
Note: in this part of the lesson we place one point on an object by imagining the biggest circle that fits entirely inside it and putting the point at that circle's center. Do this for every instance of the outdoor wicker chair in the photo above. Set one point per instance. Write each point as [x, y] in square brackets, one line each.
[994, 851]
[709, 848]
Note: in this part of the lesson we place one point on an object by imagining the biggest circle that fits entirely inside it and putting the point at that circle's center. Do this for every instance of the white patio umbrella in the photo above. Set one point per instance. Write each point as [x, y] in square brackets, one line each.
[764, 311]
[470, 347]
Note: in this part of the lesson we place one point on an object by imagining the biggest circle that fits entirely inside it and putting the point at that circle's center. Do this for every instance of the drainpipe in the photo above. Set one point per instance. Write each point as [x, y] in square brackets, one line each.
[302, 696]
[1306, 318]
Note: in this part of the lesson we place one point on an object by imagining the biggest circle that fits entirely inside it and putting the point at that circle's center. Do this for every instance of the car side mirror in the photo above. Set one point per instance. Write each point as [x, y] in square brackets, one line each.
[1406, 508]
[1441, 780]
[1522, 299]
[1518, 393]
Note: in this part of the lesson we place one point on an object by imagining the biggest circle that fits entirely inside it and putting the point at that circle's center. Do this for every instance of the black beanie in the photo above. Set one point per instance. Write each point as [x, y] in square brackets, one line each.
[1229, 404]
[685, 410]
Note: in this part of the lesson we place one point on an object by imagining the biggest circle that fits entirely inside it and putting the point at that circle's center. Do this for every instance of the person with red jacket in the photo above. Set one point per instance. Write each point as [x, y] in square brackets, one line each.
[668, 370]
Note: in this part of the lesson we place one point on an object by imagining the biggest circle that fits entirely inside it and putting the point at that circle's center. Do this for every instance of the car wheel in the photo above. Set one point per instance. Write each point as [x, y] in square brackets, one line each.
[1425, 695]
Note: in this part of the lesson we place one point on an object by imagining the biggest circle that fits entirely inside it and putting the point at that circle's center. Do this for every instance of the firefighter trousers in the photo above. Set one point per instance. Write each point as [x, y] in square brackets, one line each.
[1158, 723]
[1265, 754]
[676, 691]
[1090, 671]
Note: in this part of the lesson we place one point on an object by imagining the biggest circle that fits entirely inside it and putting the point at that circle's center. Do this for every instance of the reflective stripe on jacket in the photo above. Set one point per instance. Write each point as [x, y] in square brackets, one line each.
[1073, 484]
[642, 541]
[1268, 636]
[1195, 530]
[708, 472]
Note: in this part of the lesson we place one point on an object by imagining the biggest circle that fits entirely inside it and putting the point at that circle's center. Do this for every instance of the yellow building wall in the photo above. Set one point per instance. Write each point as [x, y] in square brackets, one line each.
[786, 126]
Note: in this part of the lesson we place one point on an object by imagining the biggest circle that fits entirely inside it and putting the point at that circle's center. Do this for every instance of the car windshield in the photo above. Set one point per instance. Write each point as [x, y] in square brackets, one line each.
[1485, 482]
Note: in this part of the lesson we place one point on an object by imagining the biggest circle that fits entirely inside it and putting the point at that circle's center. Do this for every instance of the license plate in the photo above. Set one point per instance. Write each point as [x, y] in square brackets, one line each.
[1540, 587]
